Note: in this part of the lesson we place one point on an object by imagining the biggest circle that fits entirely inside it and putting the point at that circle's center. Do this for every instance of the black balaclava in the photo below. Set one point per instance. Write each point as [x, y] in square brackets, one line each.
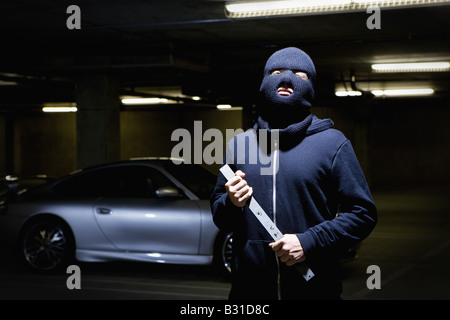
[280, 111]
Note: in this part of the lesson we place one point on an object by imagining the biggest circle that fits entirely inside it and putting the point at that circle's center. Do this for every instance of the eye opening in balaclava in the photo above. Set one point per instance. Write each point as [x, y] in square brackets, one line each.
[285, 97]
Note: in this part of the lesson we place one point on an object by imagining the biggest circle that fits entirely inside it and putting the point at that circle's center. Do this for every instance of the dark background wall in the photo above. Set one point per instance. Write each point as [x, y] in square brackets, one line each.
[399, 143]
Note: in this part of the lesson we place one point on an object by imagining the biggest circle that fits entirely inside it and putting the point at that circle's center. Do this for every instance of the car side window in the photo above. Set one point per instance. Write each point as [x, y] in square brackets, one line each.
[142, 182]
[129, 181]
[94, 183]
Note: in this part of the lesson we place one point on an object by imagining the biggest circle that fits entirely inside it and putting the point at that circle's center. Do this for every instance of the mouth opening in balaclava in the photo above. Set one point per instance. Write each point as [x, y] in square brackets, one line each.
[285, 89]
[286, 94]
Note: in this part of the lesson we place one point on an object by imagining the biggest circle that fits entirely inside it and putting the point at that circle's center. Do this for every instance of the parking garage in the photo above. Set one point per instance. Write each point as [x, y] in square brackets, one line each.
[123, 76]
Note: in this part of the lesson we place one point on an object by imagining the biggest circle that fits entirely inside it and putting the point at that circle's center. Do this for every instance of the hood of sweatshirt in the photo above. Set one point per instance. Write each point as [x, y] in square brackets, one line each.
[318, 125]
[294, 133]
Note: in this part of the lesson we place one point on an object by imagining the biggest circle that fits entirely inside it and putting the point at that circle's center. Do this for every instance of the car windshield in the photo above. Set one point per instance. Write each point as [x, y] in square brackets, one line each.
[195, 177]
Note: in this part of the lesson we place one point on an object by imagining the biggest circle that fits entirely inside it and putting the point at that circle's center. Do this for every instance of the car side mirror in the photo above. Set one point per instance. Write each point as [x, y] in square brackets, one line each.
[168, 192]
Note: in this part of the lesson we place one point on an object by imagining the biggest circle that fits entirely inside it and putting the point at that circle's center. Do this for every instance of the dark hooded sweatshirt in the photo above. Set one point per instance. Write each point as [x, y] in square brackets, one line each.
[317, 191]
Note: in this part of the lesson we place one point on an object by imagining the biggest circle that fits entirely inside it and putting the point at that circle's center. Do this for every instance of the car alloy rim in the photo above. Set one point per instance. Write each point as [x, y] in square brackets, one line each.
[45, 246]
[227, 250]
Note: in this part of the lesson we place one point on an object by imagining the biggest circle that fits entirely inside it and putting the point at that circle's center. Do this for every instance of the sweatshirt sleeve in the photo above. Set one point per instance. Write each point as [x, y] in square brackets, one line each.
[357, 212]
[225, 213]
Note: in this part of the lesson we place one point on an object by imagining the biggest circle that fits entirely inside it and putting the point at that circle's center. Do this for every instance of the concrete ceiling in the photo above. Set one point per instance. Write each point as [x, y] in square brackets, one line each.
[192, 45]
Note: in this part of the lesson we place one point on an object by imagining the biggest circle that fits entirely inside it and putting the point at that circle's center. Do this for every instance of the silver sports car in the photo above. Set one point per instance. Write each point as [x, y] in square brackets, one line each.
[142, 210]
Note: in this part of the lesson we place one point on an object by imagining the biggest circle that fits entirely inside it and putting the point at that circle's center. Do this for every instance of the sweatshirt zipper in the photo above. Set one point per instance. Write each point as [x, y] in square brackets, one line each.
[274, 201]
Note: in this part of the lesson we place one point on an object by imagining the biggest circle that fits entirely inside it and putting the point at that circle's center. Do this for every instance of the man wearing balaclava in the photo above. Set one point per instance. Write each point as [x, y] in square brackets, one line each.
[315, 191]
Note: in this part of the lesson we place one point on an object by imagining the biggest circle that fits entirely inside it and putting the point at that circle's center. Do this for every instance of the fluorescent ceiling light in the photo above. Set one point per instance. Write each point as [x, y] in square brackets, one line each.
[8, 83]
[343, 93]
[223, 106]
[242, 7]
[411, 67]
[133, 101]
[59, 109]
[396, 92]
[290, 7]
[227, 107]
[403, 92]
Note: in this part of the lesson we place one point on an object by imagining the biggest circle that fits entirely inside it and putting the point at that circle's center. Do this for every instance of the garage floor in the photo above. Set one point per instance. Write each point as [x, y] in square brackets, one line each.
[411, 246]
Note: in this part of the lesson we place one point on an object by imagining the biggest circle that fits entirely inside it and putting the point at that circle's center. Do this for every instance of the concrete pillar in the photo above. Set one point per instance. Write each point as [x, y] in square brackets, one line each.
[7, 143]
[98, 120]
[2, 145]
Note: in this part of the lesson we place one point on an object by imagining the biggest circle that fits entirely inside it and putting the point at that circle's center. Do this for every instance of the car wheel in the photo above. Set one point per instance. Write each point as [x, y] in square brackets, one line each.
[227, 251]
[48, 245]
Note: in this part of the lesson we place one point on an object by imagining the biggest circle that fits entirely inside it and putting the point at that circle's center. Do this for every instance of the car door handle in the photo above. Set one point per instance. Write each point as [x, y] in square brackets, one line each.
[103, 210]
